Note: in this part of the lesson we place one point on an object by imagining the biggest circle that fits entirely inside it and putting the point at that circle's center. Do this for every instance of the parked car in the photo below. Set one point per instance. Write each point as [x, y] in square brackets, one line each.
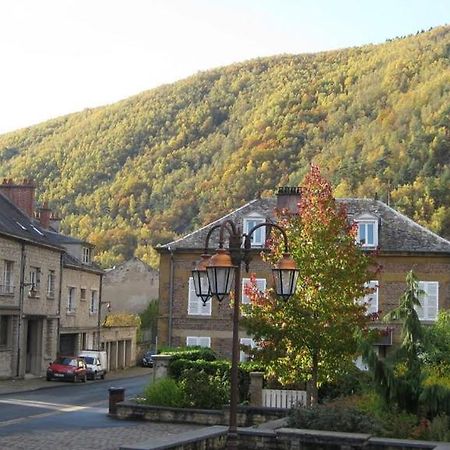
[96, 362]
[147, 360]
[71, 368]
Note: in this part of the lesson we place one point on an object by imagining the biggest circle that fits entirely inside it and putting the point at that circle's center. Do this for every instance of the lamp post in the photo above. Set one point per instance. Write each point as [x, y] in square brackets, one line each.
[215, 276]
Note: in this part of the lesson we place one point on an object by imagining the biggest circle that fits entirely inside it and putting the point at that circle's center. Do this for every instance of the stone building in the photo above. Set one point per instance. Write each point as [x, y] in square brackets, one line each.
[50, 291]
[400, 244]
[30, 276]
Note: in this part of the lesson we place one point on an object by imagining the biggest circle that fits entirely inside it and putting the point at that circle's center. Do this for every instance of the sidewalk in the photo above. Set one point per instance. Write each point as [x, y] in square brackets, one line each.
[33, 384]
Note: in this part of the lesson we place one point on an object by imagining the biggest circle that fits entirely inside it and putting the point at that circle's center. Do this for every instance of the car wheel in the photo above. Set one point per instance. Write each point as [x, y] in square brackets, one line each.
[49, 378]
[102, 376]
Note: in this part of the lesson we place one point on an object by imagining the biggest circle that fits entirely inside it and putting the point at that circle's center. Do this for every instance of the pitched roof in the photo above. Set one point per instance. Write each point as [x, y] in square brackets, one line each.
[397, 233]
[16, 224]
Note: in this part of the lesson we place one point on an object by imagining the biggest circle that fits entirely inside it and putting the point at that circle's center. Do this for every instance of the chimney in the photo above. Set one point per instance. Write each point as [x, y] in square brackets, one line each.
[55, 222]
[44, 216]
[288, 199]
[21, 194]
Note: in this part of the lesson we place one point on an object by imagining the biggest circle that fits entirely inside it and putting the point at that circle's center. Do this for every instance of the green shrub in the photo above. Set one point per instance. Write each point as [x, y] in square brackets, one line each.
[177, 367]
[353, 382]
[164, 392]
[192, 354]
[439, 429]
[202, 390]
[326, 418]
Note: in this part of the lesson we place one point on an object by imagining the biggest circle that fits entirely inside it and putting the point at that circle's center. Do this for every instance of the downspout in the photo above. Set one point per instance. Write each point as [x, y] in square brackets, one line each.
[21, 301]
[58, 333]
[99, 325]
[171, 293]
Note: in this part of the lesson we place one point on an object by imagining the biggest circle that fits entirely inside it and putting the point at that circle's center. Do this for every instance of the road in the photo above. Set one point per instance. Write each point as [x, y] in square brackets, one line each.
[72, 417]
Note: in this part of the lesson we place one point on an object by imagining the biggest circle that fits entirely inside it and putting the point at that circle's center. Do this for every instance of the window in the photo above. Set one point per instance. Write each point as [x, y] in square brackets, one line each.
[196, 307]
[260, 284]
[93, 307]
[258, 238]
[35, 279]
[82, 294]
[371, 299]
[70, 299]
[51, 283]
[368, 233]
[198, 341]
[4, 322]
[248, 342]
[86, 256]
[8, 286]
[429, 303]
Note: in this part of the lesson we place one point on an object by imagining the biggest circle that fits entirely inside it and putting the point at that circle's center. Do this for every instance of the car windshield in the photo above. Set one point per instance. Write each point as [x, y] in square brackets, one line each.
[89, 359]
[66, 361]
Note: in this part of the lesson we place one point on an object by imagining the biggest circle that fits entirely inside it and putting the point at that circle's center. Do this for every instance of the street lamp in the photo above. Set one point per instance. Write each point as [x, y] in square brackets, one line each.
[215, 276]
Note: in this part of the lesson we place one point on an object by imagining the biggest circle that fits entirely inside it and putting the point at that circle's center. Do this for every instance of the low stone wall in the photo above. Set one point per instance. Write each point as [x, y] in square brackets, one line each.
[247, 415]
[214, 438]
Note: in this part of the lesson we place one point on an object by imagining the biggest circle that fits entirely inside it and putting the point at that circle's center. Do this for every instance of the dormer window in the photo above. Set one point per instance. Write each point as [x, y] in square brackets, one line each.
[367, 231]
[258, 237]
[86, 256]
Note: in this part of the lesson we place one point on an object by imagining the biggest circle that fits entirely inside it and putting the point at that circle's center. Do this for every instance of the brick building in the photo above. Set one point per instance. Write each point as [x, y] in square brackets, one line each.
[401, 245]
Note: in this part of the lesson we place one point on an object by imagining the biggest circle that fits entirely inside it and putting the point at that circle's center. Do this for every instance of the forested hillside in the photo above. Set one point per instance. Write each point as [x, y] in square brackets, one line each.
[142, 171]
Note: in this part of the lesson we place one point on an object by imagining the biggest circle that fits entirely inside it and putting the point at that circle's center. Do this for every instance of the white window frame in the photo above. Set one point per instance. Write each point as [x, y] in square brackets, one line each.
[8, 277]
[258, 238]
[261, 284]
[51, 279]
[429, 301]
[195, 303]
[71, 292]
[35, 278]
[86, 255]
[245, 341]
[198, 341]
[371, 299]
[93, 304]
[367, 219]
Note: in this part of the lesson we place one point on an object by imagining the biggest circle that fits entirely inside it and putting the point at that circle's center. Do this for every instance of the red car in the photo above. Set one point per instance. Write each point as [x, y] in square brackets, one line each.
[71, 368]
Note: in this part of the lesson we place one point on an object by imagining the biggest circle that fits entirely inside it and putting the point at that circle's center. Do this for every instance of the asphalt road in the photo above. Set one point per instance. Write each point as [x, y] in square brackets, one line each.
[68, 406]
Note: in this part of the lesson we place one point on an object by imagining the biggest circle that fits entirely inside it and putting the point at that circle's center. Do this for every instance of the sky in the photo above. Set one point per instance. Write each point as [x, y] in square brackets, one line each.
[62, 56]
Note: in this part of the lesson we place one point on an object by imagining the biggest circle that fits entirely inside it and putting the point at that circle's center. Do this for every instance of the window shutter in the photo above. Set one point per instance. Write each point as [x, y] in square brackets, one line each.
[260, 285]
[191, 341]
[204, 341]
[429, 303]
[195, 304]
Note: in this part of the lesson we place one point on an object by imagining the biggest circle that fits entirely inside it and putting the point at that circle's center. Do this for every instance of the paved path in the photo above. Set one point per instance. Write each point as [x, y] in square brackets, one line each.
[94, 438]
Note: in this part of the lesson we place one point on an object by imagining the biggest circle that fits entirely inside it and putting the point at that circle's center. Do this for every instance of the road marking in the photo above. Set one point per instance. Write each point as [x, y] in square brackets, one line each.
[57, 409]
[45, 405]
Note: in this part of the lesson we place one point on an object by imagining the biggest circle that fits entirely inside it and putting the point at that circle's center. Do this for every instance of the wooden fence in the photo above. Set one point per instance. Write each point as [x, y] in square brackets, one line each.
[280, 398]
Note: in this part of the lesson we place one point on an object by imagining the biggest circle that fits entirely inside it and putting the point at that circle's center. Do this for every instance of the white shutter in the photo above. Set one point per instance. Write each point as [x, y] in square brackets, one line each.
[260, 285]
[195, 304]
[198, 341]
[248, 342]
[191, 341]
[371, 299]
[429, 300]
[204, 341]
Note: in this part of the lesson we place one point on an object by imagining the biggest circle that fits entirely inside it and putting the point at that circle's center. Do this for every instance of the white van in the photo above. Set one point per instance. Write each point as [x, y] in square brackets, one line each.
[96, 362]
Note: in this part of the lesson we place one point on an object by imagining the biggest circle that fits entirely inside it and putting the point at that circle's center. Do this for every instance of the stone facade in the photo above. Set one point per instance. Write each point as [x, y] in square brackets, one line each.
[130, 286]
[29, 310]
[79, 313]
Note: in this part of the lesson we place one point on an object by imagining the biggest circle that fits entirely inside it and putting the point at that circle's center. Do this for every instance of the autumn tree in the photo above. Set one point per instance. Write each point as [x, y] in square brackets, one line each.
[310, 337]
